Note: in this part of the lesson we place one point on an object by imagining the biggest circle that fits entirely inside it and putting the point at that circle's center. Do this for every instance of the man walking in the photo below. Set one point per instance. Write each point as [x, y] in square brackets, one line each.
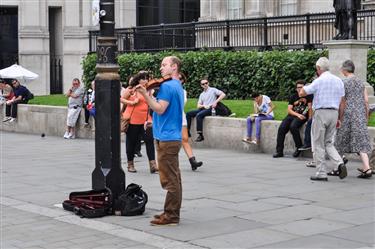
[328, 92]
[207, 103]
[299, 110]
[167, 129]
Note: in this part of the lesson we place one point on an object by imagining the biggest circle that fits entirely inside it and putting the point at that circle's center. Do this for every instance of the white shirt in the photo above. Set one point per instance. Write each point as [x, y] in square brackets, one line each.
[208, 97]
[265, 106]
[328, 90]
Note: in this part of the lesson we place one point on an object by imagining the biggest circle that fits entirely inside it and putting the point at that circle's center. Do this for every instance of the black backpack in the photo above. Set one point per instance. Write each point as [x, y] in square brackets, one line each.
[222, 110]
[28, 96]
[131, 202]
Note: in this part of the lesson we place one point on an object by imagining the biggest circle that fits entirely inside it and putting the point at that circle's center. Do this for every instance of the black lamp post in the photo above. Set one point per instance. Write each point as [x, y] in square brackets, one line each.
[108, 171]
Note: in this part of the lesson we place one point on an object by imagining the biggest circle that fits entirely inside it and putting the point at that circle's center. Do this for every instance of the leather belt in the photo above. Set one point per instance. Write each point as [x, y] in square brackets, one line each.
[329, 108]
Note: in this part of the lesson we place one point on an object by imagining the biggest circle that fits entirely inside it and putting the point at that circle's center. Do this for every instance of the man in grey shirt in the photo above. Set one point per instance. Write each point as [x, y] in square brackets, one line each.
[207, 102]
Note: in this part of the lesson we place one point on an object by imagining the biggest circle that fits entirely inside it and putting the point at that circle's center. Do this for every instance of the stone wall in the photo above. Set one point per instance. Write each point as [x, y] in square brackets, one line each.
[219, 132]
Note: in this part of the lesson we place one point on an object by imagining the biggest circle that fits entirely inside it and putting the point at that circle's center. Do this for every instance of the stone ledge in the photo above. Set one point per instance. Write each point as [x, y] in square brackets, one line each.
[219, 132]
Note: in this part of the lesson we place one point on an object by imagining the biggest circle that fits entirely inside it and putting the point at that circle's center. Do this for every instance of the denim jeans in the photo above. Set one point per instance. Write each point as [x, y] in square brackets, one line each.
[200, 114]
[257, 121]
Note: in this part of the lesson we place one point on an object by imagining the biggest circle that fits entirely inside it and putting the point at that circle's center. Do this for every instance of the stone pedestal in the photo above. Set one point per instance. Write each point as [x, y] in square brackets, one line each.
[340, 51]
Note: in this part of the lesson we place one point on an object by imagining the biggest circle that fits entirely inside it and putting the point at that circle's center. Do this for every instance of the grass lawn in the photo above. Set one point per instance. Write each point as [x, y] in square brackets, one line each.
[242, 108]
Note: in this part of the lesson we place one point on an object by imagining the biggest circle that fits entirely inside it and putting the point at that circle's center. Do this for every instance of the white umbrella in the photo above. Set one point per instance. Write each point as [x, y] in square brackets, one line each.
[17, 72]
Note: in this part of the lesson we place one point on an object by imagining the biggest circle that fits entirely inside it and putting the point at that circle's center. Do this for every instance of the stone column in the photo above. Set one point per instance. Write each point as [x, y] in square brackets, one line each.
[205, 10]
[354, 50]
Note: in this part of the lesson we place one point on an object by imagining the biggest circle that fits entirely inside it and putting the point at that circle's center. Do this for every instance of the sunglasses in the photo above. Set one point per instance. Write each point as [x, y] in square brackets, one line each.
[205, 83]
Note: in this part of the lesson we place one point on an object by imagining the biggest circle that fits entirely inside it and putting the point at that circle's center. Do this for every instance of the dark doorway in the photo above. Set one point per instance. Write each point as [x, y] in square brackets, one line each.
[55, 48]
[8, 36]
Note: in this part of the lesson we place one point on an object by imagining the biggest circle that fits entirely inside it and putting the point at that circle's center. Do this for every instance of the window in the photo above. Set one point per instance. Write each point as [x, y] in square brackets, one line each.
[288, 7]
[235, 10]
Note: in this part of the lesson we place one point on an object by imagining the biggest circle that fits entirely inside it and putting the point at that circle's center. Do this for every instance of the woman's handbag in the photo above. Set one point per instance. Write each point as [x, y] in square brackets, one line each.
[125, 122]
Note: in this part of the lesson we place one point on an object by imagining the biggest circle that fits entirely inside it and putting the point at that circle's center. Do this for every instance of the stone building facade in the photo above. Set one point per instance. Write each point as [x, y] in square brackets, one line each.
[52, 35]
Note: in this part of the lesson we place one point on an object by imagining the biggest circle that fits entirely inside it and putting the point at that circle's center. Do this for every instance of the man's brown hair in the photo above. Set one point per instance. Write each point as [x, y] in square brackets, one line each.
[177, 61]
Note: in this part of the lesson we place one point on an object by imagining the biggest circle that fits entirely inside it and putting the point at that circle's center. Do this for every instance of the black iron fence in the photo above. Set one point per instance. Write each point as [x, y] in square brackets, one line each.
[286, 32]
[56, 78]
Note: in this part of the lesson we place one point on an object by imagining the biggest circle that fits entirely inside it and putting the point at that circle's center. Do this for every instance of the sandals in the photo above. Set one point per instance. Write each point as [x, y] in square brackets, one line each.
[365, 174]
[250, 141]
[311, 164]
[334, 172]
[246, 140]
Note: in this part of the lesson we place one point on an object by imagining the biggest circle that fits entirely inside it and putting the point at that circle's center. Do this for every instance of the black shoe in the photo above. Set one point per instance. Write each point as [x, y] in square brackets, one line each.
[278, 154]
[304, 147]
[138, 154]
[194, 164]
[315, 178]
[345, 160]
[342, 171]
[200, 138]
[296, 153]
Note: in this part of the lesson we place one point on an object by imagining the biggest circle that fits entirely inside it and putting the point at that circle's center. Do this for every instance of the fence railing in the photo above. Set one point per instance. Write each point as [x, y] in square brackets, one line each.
[286, 32]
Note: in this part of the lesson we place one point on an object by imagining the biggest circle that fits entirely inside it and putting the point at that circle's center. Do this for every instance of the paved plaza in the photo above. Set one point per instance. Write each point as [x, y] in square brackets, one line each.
[236, 200]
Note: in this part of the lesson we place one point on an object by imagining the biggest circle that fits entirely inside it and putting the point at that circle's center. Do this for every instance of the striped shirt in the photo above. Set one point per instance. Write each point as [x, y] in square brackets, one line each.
[328, 90]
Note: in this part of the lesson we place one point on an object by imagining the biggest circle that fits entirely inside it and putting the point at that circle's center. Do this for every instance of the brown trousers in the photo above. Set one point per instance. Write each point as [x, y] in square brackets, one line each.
[170, 177]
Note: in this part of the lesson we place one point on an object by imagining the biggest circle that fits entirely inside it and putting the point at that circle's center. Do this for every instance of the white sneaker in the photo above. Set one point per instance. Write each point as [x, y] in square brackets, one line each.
[71, 136]
[66, 135]
[6, 119]
[11, 120]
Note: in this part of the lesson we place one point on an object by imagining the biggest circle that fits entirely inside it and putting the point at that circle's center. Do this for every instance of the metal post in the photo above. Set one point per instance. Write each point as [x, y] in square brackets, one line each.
[265, 34]
[108, 171]
[308, 30]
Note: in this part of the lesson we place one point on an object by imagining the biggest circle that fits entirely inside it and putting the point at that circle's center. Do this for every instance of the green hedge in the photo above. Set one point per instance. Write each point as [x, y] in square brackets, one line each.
[237, 73]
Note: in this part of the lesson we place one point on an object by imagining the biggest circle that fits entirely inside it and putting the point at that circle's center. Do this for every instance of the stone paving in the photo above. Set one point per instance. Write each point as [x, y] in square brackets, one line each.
[236, 200]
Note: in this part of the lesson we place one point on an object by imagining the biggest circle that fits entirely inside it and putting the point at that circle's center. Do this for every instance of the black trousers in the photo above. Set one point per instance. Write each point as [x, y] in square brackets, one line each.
[11, 110]
[87, 115]
[292, 124]
[132, 139]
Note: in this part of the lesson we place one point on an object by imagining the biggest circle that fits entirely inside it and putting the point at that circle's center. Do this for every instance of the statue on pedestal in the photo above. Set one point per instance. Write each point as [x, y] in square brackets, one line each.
[346, 18]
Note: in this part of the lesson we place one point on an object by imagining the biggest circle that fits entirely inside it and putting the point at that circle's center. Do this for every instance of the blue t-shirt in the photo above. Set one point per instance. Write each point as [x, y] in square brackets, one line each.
[168, 126]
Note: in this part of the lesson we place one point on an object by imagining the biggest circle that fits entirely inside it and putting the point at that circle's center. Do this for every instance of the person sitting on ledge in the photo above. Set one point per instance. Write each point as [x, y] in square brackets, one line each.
[22, 95]
[263, 108]
[207, 102]
[299, 110]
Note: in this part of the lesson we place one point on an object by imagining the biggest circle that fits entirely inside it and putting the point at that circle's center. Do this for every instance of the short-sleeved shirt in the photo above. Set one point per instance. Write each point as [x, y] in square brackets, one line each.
[168, 126]
[300, 107]
[265, 106]
[328, 90]
[73, 102]
[209, 96]
[20, 91]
